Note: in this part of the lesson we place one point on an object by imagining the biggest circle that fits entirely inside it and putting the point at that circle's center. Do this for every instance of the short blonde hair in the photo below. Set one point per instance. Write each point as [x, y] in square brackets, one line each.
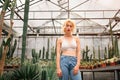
[69, 21]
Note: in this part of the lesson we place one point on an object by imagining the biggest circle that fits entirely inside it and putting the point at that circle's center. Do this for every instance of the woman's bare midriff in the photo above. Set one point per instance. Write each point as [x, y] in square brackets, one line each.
[69, 53]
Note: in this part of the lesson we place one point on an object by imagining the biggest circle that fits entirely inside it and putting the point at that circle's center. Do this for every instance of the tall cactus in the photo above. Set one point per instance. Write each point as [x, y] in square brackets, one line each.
[53, 53]
[99, 53]
[26, 12]
[43, 53]
[116, 48]
[93, 53]
[40, 53]
[87, 50]
[47, 52]
[105, 54]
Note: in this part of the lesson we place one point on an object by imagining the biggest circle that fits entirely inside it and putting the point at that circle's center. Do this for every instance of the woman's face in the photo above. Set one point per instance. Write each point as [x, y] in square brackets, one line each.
[68, 28]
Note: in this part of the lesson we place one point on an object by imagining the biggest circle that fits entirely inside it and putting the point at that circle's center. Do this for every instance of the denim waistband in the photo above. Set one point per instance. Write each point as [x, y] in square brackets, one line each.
[68, 56]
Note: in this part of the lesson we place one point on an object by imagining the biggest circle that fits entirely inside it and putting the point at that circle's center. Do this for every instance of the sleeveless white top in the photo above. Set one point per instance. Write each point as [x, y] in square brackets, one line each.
[68, 45]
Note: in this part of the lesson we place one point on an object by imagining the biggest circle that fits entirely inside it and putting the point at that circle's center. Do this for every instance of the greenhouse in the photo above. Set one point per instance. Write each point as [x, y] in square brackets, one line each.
[32, 33]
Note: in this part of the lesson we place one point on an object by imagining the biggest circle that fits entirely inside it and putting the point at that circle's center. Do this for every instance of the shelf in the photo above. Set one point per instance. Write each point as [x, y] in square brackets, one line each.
[115, 69]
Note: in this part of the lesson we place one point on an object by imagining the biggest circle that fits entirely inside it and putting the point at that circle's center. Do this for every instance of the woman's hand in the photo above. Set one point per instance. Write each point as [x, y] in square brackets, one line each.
[59, 72]
[75, 70]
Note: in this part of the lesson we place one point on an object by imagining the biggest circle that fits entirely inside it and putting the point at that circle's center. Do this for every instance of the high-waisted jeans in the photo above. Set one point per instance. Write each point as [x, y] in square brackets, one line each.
[67, 63]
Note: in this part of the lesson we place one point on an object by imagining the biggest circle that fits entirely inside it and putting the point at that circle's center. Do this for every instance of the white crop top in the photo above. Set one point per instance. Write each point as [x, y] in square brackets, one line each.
[66, 45]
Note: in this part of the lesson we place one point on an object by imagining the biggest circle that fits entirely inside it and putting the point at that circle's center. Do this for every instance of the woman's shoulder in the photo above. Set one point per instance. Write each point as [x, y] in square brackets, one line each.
[76, 37]
[60, 39]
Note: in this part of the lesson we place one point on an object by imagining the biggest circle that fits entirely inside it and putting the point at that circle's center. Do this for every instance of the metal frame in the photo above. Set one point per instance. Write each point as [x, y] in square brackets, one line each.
[68, 11]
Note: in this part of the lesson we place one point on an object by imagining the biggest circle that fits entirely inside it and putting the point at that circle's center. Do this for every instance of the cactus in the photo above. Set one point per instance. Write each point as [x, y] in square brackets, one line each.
[99, 53]
[35, 56]
[44, 75]
[39, 53]
[4, 52]
[90, 59]
[43, 52]
[93, 53]
[87, 50]
[26, 11]
[53, 53]
[116, 48]
[110, 51]
[47, 52]
[85, 54]
[105, 54]
[11, 48]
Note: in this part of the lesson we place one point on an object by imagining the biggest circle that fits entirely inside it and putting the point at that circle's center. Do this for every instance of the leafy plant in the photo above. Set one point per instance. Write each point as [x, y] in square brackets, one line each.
[7, 76]
[28, 71]
[50, 70]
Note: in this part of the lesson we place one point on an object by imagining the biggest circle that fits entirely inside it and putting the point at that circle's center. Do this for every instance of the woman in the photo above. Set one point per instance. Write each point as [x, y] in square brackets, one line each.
[68, 54]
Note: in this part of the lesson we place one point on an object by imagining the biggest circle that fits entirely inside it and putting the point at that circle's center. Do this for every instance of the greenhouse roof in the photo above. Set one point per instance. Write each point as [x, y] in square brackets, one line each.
[47, 16]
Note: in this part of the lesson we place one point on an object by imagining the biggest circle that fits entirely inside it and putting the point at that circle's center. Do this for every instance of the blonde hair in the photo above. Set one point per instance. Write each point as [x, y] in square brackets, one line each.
[73, 25]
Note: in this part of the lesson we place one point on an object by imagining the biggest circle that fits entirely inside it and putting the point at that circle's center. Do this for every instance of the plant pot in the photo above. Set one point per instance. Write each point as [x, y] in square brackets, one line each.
[112, 64]
[103, 65]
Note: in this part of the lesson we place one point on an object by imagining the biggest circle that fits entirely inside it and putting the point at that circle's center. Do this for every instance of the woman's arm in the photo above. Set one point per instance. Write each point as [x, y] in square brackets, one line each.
[58, 51]
[76, 68]
[78, 51]
[58, 54]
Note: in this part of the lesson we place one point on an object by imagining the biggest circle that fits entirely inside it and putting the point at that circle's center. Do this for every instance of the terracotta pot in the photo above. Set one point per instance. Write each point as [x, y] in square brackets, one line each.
[112, 64]
[103, 65]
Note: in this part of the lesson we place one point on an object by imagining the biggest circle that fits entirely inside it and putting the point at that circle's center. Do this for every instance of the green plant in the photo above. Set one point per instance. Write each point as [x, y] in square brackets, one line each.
[47, 52]
[51, 68]
[44, 75]
[35, 56]
[39, 53]
[7, 76]
[43, 52]
[53, 53]
[11, 47]
[93, 53]
[99, 53]
[116, 48]
[4, 52]
[27, 71]
[105, 54]
[26, 11]
[85, 54]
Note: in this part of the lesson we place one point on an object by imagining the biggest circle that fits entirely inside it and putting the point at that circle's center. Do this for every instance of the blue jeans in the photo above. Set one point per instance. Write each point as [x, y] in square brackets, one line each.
[67, 63]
